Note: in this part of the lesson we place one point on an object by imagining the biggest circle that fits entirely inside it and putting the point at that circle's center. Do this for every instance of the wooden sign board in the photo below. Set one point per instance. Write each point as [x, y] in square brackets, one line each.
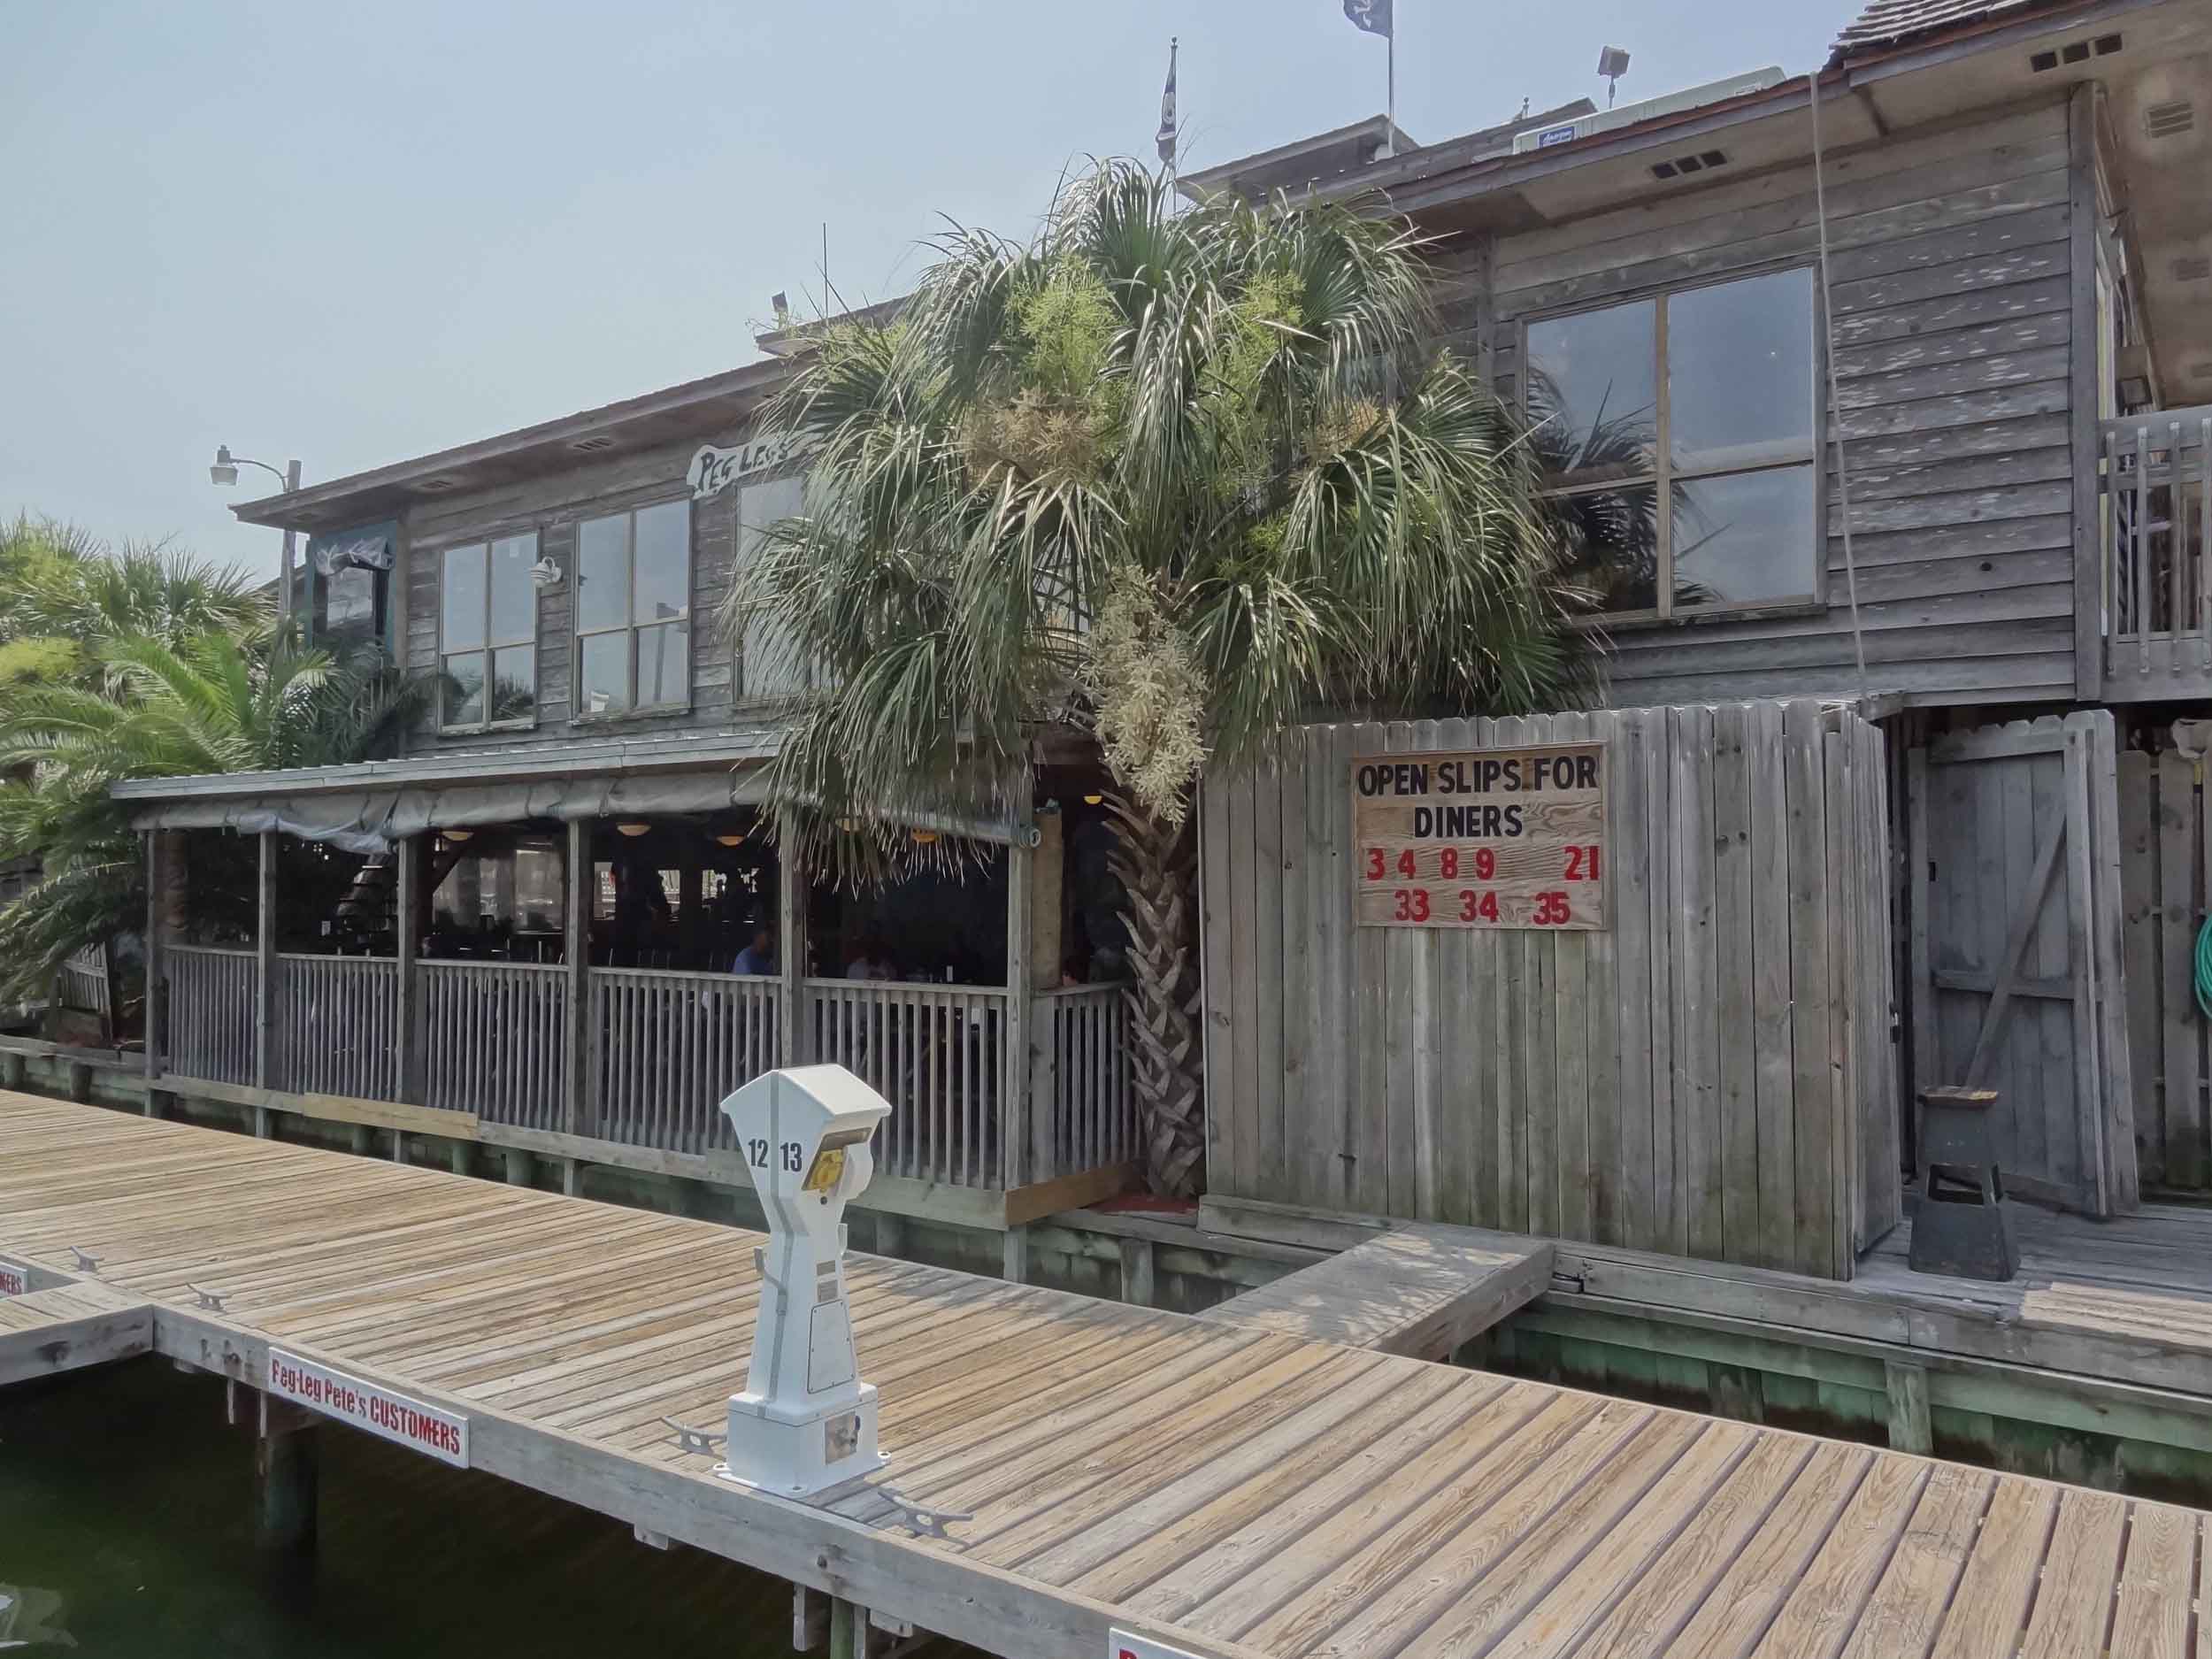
[1481, 838]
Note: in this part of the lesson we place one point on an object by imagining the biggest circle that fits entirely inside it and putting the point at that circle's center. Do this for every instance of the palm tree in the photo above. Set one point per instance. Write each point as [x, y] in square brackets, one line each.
[211, 701]
[1173, 481]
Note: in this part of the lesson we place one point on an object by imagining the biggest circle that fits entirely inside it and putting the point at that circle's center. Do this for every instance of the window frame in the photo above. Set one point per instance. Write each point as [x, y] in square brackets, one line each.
[578, 714]
[1665, 473]
[488, 647]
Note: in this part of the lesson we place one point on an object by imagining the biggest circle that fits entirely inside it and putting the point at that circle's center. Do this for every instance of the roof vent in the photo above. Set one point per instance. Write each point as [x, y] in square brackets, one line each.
[591, 445]
[1702, 161]
[2041, 62]
[2191, 267]
[2170, 119]
[436, 486]
[2106, 44]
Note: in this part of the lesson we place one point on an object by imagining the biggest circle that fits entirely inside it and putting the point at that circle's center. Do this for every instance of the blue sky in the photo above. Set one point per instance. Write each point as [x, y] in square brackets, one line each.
[357, 234]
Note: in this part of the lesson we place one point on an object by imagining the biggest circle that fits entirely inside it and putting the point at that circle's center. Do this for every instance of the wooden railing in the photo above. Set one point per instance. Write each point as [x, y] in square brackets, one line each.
[938, 1053]
[1092, 1114]
[495, 1039]
[82, 984]
[337, 1026]
[2157, 482]
[668, 1047]
[212, 993]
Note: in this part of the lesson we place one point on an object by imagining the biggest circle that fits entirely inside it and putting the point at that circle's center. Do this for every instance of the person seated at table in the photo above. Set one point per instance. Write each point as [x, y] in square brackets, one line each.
[760, 955]
[869, 961]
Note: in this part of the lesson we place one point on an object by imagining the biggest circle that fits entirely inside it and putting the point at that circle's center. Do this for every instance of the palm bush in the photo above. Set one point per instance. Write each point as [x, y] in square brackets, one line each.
[1172, 481]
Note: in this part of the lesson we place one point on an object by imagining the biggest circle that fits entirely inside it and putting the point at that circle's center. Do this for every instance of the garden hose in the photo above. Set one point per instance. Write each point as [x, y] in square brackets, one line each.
[2204, 969]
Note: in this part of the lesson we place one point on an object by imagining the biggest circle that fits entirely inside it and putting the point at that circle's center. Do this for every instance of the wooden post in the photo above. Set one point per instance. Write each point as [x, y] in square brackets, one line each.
[1047, 869]
[518, 1170]
[1016, 1149]
[792, 1029]
[407, 944]
[576, 957]
[159, 855]
[11, 1071]
[458, 1155]
[284, 1483]
[264, 966]
[1014, 1248]
[1909, 1423]
[890, 1233]
[847, 1630]
[2085, 209]
[79, 1076]
[1136, 1272]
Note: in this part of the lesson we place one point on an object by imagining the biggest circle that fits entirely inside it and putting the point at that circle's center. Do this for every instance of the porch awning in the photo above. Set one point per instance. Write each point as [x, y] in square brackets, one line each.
[369, 821]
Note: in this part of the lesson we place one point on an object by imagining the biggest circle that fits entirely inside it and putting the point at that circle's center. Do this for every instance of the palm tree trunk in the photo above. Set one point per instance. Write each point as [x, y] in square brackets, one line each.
[1155, 863]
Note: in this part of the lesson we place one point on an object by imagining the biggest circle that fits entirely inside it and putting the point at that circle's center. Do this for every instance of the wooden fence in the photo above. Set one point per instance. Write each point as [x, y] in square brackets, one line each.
[668, 1047]
[337, 1025]
[496, 1039]
[2165, 838]
[2157, 484]
[1093, 1118]
[939, 1051]
[1712, 1075]
[213, 995]
[82, 983]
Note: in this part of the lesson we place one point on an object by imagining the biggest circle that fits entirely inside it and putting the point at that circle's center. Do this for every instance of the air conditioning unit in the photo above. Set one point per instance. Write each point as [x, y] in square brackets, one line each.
[1742, 85]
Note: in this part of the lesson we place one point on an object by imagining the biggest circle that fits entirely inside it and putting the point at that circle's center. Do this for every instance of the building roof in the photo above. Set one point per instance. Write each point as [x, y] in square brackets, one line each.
[1884, 23]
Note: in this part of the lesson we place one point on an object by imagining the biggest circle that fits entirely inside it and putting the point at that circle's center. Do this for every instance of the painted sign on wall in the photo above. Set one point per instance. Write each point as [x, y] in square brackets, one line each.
[713, 471]
[1481, 838]
[409, 1423]
[15, 1280]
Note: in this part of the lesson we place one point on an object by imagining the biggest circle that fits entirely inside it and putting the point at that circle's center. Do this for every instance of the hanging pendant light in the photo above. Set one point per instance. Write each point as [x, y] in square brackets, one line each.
[631, 830]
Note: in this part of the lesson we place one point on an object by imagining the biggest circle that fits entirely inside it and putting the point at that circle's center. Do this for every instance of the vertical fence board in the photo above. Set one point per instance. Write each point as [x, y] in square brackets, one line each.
[1772, 1028]
[2141, 905]
[1735, 959]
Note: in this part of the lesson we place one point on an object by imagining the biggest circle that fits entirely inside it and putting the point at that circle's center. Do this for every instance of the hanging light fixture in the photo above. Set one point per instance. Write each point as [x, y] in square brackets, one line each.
[923, 838]
[1093, 800]
[731, 838]
[848, 824]
[631, 830]
[456, 836]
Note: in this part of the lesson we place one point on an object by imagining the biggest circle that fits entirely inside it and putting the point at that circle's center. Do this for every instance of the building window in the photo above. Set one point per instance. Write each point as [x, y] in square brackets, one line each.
[768, 660]
[488, 633]
[1680, 443]
[634, 610]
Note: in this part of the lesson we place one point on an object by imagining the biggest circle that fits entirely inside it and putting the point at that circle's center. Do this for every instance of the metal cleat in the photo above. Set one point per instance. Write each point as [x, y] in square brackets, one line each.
[695, 1442]
[923, 1519]
[83, 1262]
[211, 1299]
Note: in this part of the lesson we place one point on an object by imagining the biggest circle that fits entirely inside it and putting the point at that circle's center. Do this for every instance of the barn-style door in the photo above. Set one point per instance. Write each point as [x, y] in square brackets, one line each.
[2015, 949]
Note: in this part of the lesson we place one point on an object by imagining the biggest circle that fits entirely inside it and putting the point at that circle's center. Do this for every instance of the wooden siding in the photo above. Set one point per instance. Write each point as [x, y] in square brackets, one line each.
[1951, 305]
[553, 507]
[1711, 1076]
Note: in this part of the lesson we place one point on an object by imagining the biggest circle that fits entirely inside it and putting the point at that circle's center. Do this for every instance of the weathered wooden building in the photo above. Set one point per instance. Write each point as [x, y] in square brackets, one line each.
[1889, 385]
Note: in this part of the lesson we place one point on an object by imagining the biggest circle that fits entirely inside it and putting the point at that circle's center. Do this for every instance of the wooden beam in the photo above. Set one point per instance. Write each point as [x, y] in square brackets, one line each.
[792, 1027]
[407, 900]
[2022, 930]
[576, 977]
[1909, 1423]
[1025, 1146]
[157, 1017]
[338, 1109]
[1040, 1199]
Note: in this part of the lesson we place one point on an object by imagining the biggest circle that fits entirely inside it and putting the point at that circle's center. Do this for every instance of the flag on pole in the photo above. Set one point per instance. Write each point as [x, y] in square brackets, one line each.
[1372, 15]
[1166, 138]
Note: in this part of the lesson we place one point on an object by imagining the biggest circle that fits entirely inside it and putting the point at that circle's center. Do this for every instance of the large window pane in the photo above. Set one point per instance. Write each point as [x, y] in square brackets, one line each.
[461, 622]
[1740, 371]
[603, 573]
[514, 599]
[602, 679]
[1744, 538]
[1593, 380]
[463, 690]
[1616, 533]
[664, 562]
[515, 683]
[664, 659]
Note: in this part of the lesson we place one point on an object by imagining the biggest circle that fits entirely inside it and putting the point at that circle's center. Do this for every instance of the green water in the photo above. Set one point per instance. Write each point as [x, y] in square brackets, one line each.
[125, 1533]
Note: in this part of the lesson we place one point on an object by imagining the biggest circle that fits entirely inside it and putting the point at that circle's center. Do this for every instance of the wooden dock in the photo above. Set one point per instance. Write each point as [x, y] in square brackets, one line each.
[1091, 1466]
[1419, 1291]
[67, 1327]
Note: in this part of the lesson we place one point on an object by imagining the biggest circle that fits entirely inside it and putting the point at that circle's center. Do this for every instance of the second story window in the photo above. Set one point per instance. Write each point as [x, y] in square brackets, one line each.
[634, 610]
[1680, 444]
[487, 631]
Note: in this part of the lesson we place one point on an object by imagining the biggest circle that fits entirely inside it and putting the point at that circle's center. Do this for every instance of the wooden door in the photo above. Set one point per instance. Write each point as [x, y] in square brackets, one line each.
[2016, 948]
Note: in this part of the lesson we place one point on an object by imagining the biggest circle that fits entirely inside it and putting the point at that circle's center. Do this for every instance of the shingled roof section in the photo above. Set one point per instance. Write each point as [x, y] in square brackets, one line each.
[1887, 22]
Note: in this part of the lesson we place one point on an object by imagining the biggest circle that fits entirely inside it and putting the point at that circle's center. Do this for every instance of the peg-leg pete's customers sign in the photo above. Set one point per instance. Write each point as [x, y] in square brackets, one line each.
[1481, 838]
[410, 1422]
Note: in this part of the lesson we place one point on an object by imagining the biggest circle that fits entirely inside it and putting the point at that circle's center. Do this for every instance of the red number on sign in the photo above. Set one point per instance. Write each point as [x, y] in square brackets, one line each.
[1413, 905]
[1405, 861]
[1374, 863]
[1551, 909]
[1450, 862]
[1485, 864]
[1475, 906]
[1582, 863]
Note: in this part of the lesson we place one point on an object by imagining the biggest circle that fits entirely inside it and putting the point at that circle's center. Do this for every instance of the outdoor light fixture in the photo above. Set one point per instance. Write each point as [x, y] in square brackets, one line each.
[456, 835]
[805, 1421]
[922, 837]
[1093, 800]
[545, 573]
[225, 471]
[848, 824]
[631, 830]
[729, 838]
[1612, 64]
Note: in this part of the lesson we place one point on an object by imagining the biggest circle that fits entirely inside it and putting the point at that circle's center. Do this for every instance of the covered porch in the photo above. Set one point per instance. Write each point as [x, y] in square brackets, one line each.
[582, 965]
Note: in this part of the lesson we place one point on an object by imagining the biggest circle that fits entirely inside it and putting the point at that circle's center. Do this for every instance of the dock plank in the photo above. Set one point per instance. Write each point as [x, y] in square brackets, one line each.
[1234, 1492]
[67, 1327]
[1418, 1291]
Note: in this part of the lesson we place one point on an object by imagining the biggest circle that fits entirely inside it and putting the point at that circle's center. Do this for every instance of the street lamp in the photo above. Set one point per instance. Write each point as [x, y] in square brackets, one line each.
[225, 471]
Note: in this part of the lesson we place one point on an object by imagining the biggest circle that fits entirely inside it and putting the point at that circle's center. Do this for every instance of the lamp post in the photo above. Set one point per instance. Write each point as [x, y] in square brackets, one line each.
[225, 471]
